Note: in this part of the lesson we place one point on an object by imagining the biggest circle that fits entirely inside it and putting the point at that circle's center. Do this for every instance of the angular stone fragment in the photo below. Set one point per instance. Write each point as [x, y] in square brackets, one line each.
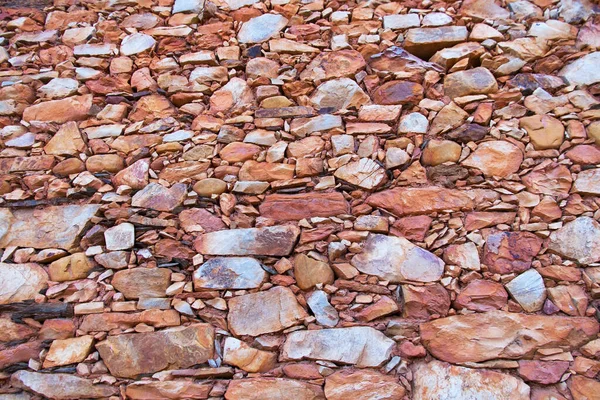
[264, 312]
[272, 388]
[49, 227]
[268, 241]
[324, 312]
[229, 273]
[570, 299]
[76, 266]
[339, 94]
[587, 182]
[60, 111]
[583, 388]
[233, 98]
[407, 201]
[127, 356]
[398, 92]
[168, 390]
[262, 28]
[61, 386]
[544, 372]
[469, 52]
[507, 252]
[136, 43]
[135, 176]
[334, 64]
[473, 81]
[21, 282]
[191, 6]
[552, 179]
[291, 207]
[423, 302]
[498, 334]
[396, 259]
[582, 71]
[239, 354]
[310, 272]
[158, 197]
[68, 351]
[437, 380]
[449, 117]
[142, 282]
[424, 42]
[362, 384]
[528, 290]
[108, 321]
[482, 295]
[67, 141]
[545, 132]
[495, 158]
[578, 240]
[362, 346]
[364, 173]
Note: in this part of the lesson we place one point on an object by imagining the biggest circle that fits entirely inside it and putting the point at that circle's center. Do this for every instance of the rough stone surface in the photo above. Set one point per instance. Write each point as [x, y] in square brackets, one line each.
[502, 335]
[578, 240]
[360, 346]
[229, 273]
[140, 353]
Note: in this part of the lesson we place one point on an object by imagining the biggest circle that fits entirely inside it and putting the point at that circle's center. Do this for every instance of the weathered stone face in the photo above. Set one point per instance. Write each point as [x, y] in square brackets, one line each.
[270, 241]
[264, 312]
[397, 259]
[61, 386]
[229, 273]
[363, 384]
[21, 282]
[360, 346]
[578, 239]
[141, 353]
[272, 388]
[56, 226]
[497, 334]
[444, 381]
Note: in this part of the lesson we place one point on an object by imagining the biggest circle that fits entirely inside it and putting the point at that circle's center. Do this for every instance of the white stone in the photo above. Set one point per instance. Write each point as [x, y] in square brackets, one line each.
[136, 43]
[413, 123]
[583, 71]
[58, 88]
[397, 260]
[325, 313]
[120, 237]
[230, 273]
[401, 21]
[528, 290]
[578, 240]
[442, 381]
[193, 6]
[362, 346]
[262, 28]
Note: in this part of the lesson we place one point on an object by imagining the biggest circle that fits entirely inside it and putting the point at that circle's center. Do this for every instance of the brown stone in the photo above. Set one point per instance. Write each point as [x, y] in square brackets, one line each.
[75, 266]
[362, 384]
[169, 390]
[506, 252]
[138, 283]
[482, 296]
[473, 81]
[545, 132]
[334, 64]
[264, 312]
[74, 108]
[495, 158]
[127, 356]
[310, 272]
[398, 92]
[265, 171]
[544, 372]
[290, 207]
[424, 42]
[413, 228]
[406, 201]
[115, 320]
[272, 388]
[422, 302]
[61, 386]
[440, 151]
[497, 334]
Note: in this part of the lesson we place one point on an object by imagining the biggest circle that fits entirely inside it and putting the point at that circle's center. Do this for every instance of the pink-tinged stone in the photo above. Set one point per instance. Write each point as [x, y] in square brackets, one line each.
[334, 64]
[441, 381]
[61, 386]
[482, 296]
[412, 228]
[200, 220]
[422, 302]
[578, 240]
[406, 201]
[553, 180]
[544, 372]
[135, 176]
[290, 207]
[169, 390]
[497, 334]
[49, 227]
[272, 388]
[158, 197]
[21, 282]
[362, 384]
[495, 158]
[271, 241]
[74, 108]
[264, 312]
[129, 355]
[507, 252]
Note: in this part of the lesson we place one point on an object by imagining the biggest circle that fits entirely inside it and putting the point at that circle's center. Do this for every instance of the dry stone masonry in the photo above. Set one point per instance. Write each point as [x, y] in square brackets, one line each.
[300, 199]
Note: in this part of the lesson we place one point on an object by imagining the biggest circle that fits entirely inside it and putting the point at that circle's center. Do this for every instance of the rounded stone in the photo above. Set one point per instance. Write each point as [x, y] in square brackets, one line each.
[209, 186]
[440, 151]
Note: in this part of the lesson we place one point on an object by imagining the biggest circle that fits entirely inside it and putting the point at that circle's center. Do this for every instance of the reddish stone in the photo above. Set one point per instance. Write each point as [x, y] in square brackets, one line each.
[483, 219]
[302, 371]
[553, 180]
[413, 228]
[421, 302]
[403, 201]
[482, 296]
[20, 353]
[398, 92]
[544, 372]
[508, 252]
[584, 154]
[199, 217]
[410, 350]
[289, 207]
